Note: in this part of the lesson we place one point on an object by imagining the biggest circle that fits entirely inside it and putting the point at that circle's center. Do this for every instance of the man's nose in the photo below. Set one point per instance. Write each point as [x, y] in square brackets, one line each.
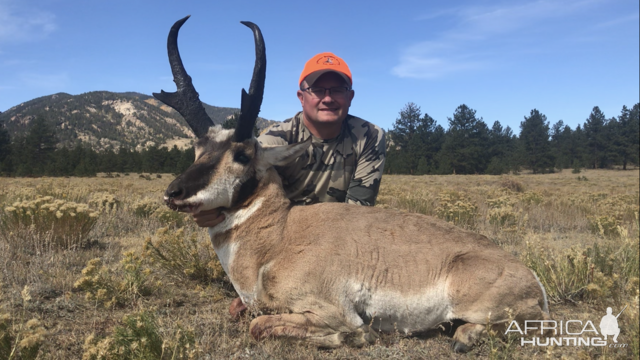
[327, 96]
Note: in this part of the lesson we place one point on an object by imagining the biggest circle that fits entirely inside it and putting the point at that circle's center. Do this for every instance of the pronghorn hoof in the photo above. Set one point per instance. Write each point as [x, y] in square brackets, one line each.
[460, 348]
[237, 308]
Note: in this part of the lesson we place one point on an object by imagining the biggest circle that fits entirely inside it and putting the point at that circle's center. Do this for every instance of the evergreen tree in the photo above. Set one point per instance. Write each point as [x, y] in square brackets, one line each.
[402, 158]
[405, 126]
[534, 135]
[5, 151]
[561, 144]
[33, 152]
[413, 142]
[629, 124]
[465, 148]
[108, 161]
[432, 138]
[596, 138]
[501, 149]
[62, 165]
[232, 121]
[578, 148]
[187, 158]
[84, 161]
[613, 143]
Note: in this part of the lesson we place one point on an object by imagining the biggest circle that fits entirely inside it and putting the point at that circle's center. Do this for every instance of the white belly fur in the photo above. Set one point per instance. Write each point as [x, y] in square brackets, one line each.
[392, 311]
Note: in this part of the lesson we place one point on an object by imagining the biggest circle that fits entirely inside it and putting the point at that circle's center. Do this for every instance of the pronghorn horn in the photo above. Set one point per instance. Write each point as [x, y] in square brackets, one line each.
[185, 100]
[250, 105]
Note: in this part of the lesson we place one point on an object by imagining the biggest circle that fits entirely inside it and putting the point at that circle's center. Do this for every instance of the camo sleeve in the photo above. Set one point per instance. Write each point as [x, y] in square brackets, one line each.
[364, 186]
[276, 134]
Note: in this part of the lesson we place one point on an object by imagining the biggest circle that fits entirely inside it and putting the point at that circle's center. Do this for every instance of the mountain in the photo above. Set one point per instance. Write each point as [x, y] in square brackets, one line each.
[106, 119]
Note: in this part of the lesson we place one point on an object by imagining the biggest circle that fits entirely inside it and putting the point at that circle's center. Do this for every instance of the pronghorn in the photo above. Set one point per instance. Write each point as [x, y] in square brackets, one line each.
[335, 273]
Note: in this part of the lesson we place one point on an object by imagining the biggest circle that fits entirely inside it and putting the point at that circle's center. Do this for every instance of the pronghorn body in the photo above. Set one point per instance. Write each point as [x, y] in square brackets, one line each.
[336, 271]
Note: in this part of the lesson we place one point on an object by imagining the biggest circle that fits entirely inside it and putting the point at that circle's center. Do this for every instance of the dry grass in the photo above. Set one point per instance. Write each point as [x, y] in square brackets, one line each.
[169, 299]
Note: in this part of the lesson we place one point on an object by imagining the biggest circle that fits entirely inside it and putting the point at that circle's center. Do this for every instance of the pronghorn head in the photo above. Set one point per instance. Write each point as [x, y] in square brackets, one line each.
[229, 164]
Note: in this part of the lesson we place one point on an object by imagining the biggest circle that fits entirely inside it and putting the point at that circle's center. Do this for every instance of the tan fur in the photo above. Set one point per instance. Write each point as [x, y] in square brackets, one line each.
[337, 273]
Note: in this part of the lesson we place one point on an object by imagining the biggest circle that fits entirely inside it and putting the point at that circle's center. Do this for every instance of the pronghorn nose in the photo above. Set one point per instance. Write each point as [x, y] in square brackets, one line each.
[176, 193]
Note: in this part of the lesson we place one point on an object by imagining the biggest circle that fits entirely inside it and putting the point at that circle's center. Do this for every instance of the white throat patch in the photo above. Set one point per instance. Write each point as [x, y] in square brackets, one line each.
[234, 219]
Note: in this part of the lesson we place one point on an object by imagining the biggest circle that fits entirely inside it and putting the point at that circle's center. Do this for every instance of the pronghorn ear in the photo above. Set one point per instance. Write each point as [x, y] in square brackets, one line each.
[281, 155]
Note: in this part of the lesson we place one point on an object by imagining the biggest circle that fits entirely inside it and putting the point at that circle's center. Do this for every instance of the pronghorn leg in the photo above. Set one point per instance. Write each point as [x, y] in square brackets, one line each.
[362, 336]
[237, 308]
[300, 326]
[466, 336]
[311, 328]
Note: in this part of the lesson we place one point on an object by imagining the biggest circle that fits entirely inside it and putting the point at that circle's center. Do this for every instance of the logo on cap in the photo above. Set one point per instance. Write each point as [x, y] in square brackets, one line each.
[328, 60]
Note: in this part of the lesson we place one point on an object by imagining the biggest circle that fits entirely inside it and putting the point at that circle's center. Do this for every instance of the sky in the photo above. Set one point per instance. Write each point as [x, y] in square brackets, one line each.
[501, 58]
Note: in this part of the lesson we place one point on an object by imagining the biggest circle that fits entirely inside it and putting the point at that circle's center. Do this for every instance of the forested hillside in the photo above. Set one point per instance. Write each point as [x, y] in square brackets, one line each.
[105, 120]
[65, 135]
[82, 135]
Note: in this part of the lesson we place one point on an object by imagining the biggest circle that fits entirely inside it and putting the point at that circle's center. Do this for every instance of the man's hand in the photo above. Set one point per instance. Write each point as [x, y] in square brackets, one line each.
[208, 218]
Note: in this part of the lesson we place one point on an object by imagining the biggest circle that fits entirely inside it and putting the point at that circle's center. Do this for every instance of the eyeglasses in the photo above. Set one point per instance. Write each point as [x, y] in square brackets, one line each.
[336, 91]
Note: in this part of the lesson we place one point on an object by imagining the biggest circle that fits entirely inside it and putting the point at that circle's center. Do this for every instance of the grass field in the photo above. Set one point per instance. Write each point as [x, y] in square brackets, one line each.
[98, 268]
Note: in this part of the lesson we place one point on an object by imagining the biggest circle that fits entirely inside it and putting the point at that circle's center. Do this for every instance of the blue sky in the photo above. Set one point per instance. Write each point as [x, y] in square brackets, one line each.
[501, 58]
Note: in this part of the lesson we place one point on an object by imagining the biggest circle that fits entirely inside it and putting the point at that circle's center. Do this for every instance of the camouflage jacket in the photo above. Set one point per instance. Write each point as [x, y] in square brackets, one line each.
[345, 169]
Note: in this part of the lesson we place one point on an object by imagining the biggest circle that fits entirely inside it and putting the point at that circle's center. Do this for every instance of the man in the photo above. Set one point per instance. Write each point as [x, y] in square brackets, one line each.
[345, 160]
[609, 325]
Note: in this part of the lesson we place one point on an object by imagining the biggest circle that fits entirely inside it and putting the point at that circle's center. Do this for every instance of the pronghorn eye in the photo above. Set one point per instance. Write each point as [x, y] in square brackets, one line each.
[241, 158]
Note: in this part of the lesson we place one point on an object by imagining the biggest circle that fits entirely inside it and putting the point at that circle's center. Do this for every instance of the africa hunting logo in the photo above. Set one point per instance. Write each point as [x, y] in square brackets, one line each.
[570, 332]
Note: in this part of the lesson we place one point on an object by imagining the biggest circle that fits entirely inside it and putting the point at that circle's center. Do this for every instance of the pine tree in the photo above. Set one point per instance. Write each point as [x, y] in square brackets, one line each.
[405, 126]
[33, 152]
[403, 154]
[629, 124]
[5, 151]
[414, 141]
[561, 144]
[596, 139]
[613, 143]
[578, 148]
[466, 145]
[534, 135]
[501, 148]
[232, 121]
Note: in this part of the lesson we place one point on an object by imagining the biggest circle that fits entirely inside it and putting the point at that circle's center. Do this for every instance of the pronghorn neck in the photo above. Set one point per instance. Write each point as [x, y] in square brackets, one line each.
[251, 236]
[262, 209]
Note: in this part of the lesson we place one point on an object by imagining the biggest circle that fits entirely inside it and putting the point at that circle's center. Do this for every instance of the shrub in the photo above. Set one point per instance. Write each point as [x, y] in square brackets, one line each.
[104, 202]
[169, 217]
[138, 337]
[115, 288]
[184, 256]
[598, 273]
[512, 184]
[532, 198]
[65, 224]
[457, 208]
[606, 226]
[19, 339]
[145, 207]
[504, 217]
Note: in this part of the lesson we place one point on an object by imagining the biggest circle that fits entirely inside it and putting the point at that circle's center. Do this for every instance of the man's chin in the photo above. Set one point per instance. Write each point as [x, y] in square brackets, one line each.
[329, 118]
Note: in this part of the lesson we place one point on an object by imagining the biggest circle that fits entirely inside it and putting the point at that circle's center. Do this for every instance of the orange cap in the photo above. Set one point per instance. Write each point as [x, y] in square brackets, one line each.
[322, 63]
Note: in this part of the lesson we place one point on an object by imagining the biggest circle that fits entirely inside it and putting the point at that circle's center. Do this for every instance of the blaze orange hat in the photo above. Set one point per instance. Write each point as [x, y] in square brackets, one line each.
[322, 63]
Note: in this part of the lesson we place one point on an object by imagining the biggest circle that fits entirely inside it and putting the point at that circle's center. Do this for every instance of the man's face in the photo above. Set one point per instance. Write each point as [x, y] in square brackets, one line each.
[329, 108]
